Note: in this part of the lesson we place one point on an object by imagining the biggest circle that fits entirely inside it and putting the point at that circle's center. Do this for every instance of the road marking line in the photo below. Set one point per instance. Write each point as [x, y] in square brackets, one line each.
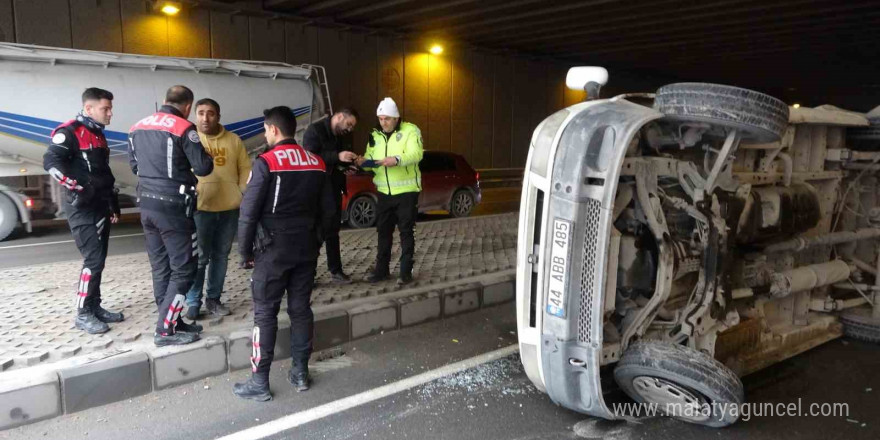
[293, 420]
[61, 242]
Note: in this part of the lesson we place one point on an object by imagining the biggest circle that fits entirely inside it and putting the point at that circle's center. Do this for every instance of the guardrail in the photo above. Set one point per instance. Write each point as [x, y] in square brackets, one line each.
[500, 177]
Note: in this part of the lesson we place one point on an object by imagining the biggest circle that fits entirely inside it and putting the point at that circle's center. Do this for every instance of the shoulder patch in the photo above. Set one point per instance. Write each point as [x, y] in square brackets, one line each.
[194, 137]
[59, 138]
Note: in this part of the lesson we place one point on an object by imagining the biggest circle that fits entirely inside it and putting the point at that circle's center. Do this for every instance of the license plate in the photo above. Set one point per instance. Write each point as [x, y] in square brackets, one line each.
[559, 259]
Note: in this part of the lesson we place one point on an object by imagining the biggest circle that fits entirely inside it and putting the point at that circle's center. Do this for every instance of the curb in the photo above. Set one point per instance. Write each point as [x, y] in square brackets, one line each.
[39, 393]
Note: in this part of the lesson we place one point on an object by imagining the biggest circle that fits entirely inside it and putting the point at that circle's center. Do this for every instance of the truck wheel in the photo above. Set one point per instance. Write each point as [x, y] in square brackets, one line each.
[682, 382]
[760, 118]
[462, 203]
[865, 138]
[362, 212]
[858, 323]
[8, 217]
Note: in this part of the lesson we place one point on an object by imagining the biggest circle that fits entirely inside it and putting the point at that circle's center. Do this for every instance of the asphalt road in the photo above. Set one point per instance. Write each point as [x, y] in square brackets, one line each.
[49, 244]
[493, 400]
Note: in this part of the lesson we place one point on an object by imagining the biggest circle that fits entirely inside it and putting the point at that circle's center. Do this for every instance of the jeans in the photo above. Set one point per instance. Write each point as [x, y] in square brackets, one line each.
[216, 231]
[331, 238]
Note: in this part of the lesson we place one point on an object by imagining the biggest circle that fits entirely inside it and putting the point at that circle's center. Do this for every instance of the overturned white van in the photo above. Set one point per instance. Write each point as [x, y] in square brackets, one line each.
[681, 239]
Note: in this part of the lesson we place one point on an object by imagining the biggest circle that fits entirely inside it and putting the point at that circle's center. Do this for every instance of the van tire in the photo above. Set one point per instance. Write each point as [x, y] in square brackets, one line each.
[759, 118]
[858, 323]
[648, 371]
[8, 217]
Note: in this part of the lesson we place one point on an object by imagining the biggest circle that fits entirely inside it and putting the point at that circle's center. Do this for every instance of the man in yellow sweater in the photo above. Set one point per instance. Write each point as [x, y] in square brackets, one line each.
[219, 197]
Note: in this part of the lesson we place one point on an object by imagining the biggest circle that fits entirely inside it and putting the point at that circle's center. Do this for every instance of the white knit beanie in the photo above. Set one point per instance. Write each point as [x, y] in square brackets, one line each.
[388, 108]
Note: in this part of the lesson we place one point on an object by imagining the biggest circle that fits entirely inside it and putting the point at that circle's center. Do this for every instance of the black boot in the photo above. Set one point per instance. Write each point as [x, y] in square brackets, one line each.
[299, 376]
[182, 326]
[107, 316]
[405, 278]
[88, 322]
[253, 389]
[376, 277]
[178, 338]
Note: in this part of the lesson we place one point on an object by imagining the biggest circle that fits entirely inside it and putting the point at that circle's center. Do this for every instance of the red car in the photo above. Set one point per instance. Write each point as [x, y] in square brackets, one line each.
[448, 183]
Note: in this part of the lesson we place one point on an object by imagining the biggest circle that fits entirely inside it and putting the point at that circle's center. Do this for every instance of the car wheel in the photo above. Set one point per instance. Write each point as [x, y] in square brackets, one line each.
[859, 323]
[8, 217]
[362, 212]
[865, 138]
[462, 203]
[759, 118]
[682, 382]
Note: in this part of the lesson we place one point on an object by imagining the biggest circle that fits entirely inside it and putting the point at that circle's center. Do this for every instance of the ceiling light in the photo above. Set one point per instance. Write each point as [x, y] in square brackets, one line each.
[436, 49]
[170, 8]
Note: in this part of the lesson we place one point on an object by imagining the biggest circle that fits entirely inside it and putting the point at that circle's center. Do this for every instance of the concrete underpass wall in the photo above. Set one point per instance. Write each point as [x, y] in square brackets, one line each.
[482, 105]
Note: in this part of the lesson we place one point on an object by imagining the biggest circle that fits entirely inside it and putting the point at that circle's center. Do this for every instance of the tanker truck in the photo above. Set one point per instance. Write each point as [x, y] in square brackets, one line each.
[40, 88]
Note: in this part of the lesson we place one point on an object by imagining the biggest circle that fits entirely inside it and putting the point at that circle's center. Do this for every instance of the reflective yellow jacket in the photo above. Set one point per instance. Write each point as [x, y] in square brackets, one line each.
[405, 143]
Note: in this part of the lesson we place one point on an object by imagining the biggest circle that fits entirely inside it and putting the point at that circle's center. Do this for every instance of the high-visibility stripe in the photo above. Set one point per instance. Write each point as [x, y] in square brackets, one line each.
[277, 189]
[169, 157]
[256, 354]
[84, 278]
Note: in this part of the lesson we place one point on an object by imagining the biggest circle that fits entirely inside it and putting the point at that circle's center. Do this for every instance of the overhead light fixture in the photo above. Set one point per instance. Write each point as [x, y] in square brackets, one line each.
[796, 106]
[169, 8]
[436, 49]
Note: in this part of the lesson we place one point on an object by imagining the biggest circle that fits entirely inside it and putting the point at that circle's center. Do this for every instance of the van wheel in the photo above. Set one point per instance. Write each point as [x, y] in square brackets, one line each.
[682, 382]
[859, 323]
[462, 203]
[8, 217]
[362, 212]
[759, 118]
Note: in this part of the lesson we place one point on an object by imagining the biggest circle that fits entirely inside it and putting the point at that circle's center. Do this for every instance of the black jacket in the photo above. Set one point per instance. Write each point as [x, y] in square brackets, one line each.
[319, 139]
[164, 151]
[80, 152]
[288, 191]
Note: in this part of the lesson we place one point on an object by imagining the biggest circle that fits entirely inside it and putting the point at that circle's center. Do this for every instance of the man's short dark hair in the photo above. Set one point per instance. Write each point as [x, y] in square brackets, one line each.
[348, 111]
[96, 94]
[282, 118]
[180, 95]
[209, 101]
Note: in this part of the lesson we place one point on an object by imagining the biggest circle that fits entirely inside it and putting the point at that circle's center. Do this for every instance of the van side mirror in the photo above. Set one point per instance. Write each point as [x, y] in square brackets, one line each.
[589, 79]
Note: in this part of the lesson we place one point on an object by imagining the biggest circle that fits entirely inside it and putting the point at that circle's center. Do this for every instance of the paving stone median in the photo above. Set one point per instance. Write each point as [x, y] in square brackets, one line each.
[36, 303]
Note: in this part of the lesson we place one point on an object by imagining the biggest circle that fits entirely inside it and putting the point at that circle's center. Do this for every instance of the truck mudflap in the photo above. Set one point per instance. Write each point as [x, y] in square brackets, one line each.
[573, 260]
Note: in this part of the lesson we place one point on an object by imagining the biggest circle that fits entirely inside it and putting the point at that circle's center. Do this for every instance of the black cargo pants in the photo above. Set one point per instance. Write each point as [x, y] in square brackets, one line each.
[400, 210]
[173, 250]
[288, 265]
[91, 233]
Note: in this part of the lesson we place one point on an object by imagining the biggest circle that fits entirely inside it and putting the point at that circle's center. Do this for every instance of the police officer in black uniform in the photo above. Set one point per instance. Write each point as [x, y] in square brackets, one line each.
[287, 202]
[78, 158]
[164, 152]
[330, 138]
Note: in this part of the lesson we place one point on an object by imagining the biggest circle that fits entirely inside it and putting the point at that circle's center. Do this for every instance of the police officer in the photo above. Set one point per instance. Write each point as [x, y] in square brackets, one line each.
[286, 198]
[79, 160]
[396, 149]
[330, 138]
[164, 152]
